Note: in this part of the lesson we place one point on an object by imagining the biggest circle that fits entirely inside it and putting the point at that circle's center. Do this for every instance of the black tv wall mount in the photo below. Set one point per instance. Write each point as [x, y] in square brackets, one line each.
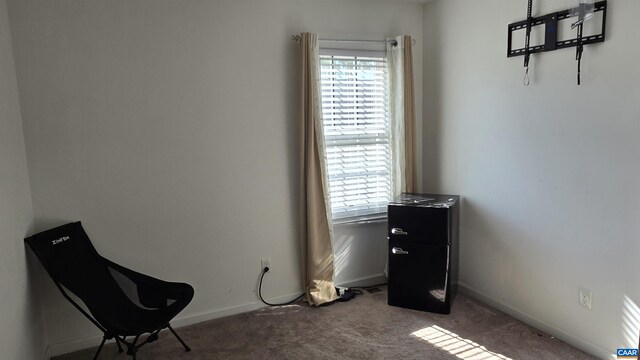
[551, 42]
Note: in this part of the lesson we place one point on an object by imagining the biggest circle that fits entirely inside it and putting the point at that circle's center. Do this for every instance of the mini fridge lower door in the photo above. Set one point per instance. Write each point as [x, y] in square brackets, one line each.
[418, 276]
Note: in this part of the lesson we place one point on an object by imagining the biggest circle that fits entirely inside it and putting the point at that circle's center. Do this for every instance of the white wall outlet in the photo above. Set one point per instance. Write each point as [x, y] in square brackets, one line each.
[266, 262]
[585, 298]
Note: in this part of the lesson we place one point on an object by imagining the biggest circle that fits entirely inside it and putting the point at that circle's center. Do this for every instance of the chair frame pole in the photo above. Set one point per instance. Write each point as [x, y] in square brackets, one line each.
[186, 347]
[104, 339]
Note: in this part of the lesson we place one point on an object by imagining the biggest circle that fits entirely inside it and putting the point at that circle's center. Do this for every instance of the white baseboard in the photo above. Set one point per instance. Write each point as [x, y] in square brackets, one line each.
[47, 353]
[582, 344]
[232, 310]
[92, 341]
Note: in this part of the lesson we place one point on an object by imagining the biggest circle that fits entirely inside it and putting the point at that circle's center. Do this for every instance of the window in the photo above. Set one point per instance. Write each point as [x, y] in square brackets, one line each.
[355, 108]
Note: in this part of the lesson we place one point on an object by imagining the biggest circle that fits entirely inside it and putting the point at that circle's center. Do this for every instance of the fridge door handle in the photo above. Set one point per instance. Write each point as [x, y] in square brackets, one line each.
[399, 251]
[398, 231]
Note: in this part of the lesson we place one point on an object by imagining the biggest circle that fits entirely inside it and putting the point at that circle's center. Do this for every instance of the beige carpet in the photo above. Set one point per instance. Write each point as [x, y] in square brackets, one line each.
[363, 328]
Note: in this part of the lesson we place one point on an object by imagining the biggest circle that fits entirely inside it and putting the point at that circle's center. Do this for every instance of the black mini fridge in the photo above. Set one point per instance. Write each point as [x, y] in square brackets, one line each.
[423, 251]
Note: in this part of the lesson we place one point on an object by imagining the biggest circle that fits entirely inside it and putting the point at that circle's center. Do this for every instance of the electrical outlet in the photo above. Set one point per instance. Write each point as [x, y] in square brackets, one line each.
[265, 263]
[585, 298]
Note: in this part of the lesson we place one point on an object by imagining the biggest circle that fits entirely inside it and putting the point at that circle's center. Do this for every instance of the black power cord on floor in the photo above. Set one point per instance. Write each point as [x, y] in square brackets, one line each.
[264, 271]
[349, 294]
[368, 286]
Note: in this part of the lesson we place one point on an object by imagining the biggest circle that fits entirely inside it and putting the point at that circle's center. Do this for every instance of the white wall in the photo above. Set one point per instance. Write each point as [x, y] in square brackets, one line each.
[169, 128]
[360, 253]
[548, 173]
[21, 333]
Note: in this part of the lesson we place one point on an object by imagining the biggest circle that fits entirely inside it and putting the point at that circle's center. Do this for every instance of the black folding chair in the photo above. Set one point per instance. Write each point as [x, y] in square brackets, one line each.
[122, 302]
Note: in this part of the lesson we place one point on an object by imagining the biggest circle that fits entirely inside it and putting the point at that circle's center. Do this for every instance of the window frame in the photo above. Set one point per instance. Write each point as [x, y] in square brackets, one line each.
[378, 211]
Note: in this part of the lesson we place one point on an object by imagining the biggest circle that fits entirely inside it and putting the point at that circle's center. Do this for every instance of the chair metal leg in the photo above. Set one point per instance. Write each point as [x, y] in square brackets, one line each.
[119, 346]
[131, 348]
[186, 348]
[104, 338]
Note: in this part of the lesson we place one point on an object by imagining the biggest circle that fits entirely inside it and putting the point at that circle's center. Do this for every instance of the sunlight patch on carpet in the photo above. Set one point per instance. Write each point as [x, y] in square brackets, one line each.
[456, 345]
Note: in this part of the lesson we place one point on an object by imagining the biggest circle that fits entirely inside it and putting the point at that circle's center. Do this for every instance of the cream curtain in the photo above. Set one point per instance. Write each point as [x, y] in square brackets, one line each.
[402, 104]
[316, 227]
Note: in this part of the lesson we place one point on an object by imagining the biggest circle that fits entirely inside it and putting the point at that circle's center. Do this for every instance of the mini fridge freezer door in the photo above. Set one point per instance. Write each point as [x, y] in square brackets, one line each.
[419, 223]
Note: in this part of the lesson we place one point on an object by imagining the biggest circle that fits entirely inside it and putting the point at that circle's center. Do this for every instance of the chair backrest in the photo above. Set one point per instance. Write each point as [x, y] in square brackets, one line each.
[69, 257]
[120, 300]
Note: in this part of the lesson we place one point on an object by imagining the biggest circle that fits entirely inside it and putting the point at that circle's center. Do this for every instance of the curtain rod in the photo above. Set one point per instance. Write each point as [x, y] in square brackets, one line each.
[297, 39]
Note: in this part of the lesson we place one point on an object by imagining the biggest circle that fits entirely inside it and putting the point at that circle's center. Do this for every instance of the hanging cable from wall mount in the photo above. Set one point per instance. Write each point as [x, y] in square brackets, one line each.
[579, 51]
[584, 11]
[527, 54]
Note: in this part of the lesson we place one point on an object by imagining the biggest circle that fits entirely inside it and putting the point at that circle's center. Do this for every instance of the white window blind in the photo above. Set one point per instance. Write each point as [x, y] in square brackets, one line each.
[355, 108]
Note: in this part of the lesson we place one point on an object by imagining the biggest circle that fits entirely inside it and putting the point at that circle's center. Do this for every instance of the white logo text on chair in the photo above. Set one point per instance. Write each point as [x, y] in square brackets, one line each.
[58, 241]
